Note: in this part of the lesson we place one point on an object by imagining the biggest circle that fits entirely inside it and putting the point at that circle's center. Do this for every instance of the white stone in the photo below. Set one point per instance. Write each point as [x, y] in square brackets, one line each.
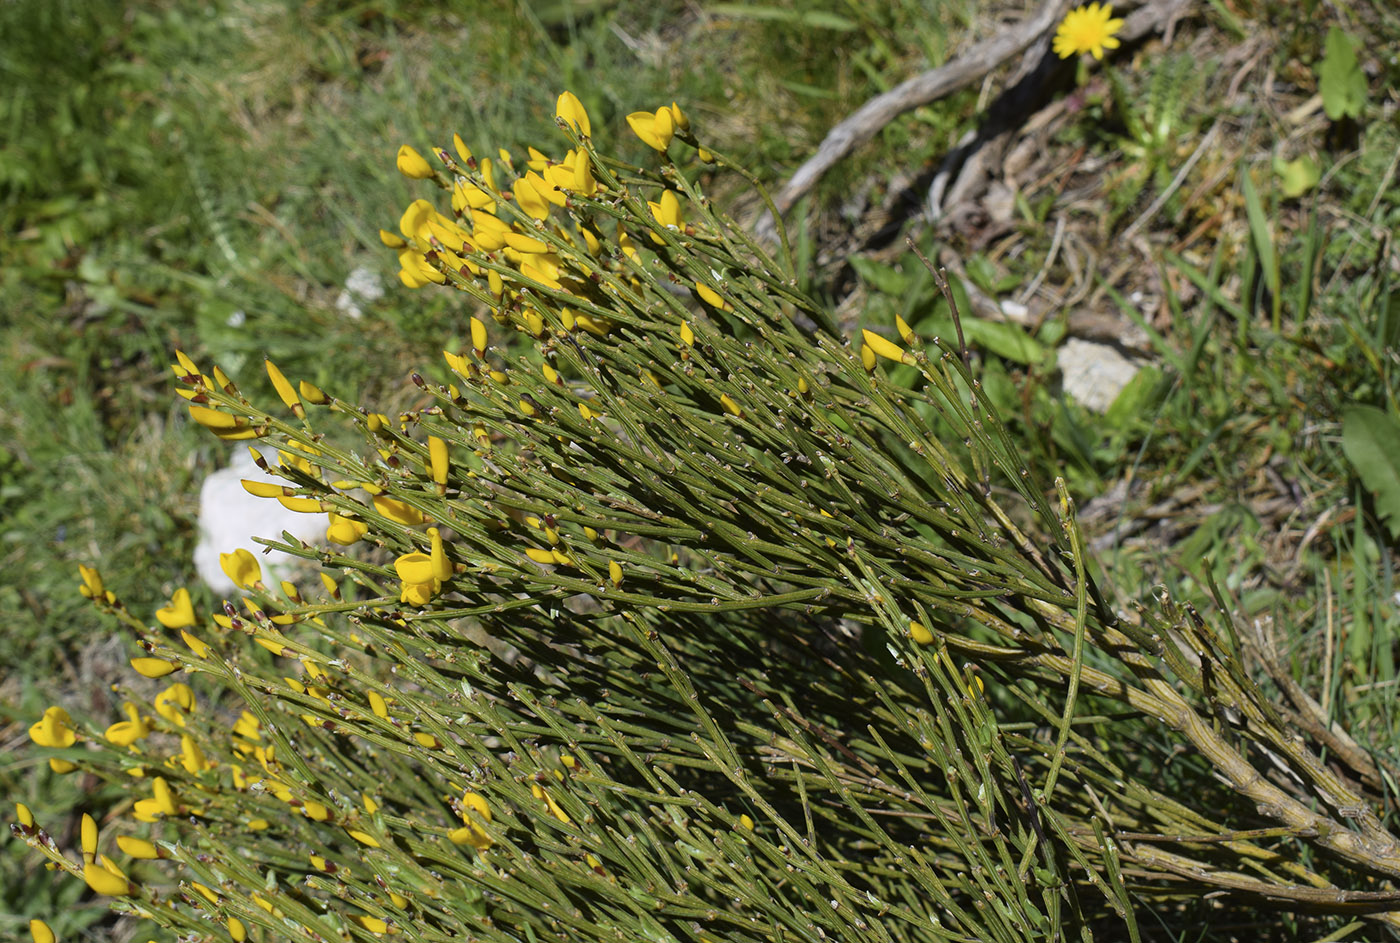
[362, 284]
[229, 518]
[1094, 374]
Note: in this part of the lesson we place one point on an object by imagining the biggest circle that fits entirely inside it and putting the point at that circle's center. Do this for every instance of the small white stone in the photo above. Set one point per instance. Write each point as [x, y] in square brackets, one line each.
[229, 518]
[1094, 374]
[361, 285]
[345, 304]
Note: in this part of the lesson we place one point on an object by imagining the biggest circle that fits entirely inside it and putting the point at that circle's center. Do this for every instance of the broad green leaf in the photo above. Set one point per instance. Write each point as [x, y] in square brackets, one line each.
[1297, 176]
[1340, 80]
[1005, 340]
[882, 278]
[1371, 441]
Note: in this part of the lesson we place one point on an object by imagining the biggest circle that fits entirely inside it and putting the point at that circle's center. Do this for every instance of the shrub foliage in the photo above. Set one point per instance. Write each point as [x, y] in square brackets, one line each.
[674, 615]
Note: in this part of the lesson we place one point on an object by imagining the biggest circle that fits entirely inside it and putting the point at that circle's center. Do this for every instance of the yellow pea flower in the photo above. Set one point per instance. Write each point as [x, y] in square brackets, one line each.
[174, 703]
[180, 613]
[398, 511]
[191, 756]
[472, 834]
[153, 667]
[584, 181]
[200, 648]
[415, 567]
[88, 837]
[667, 211]
[126, 732]
[412, 165]
[54, 729]
[460, 146]
[468, 196]
[553, 807]
[438, 459]
[345, 531]
[442, 566]
[712, 297]
[92, 586]
[528, 197]
[655, 130]
[137, 847]
[920, 633]
[241, 567]
[415, 219]
[105, 882]
[571, 110]
[40, 932]
[284, 388]
[884, 347]
[679, 117]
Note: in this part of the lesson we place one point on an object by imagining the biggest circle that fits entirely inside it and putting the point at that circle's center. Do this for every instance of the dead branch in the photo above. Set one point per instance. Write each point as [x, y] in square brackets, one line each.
[867, 120]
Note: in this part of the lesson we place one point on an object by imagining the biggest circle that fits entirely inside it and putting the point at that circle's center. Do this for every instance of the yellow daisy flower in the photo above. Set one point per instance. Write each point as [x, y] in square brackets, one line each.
[1087, 29]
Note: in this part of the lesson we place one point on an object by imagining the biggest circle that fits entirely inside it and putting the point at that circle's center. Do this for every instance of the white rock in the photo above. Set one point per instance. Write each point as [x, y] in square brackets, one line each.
[230, 517]
[1094, 374]
[362, 284]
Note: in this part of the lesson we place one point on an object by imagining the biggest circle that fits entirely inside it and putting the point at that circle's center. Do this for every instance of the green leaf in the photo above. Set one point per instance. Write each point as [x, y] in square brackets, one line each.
[1297, 176]
[1004, 340]
[882, 278]
[1132, 404]
[1340, 80]
[1371, 441]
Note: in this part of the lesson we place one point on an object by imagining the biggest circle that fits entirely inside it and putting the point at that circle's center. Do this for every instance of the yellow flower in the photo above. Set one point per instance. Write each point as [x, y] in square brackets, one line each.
[472, 834]
[667, 211]
[655, 130]
[419, 584]
[1087, 29]
[241, 567]
[571, 110]
[885, 348]
[54, 730]
[153, 667]
[398, 511]
[126, 732]
[40, 931]
[92, 586]
[920, 633]
[174, 703]
[345, 531]
[180, 613]
[411, 164]
[106, 882]
[137, 847]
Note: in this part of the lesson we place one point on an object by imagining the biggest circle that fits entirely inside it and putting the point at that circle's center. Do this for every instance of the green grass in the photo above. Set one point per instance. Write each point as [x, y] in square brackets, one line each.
[130, 228]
